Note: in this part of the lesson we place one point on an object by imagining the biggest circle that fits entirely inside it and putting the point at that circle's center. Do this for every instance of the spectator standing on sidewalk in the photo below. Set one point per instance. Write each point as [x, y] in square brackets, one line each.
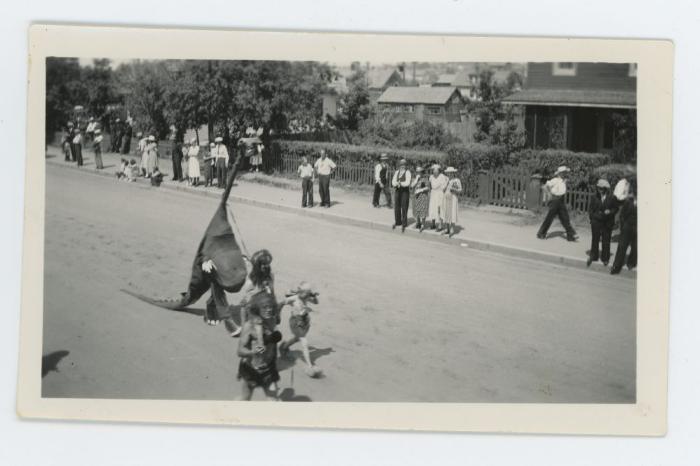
[402, 184]
[421, 188]
[451, 201]
[556, 187]
[116, 134]
[602, 215]
[193, 172]
[209, 162]
[324, 167]
[177, 159]
[381, 181]
[306, 173]
[438, 184]
[126, 137]
[78, 147]
[221, 162]
[628, 231]
[152, 156]
[68, 142]
[141, 151]
[90, 129]
[97, 147]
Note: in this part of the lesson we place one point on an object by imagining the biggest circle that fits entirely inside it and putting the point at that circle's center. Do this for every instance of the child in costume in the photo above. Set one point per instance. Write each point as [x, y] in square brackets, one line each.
[299, 323]
[258, 364]
[260, 278]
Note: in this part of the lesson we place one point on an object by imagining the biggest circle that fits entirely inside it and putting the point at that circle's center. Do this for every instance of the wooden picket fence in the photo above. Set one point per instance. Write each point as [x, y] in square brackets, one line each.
[512, 187]
[346, 171]
[506, 187]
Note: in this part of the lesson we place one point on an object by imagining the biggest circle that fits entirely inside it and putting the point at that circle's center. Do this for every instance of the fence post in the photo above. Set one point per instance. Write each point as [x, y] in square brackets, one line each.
[533, 195]
[484, 188]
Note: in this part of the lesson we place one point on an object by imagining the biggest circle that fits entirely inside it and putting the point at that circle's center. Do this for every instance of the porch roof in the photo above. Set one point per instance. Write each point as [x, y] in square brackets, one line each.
[574, 98]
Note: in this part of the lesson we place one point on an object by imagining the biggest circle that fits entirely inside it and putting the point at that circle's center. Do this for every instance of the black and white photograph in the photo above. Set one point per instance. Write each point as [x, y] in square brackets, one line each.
[346, 229]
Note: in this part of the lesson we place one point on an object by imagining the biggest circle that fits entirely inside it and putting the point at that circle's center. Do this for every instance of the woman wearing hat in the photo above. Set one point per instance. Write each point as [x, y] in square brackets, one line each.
[420, 187]
[438, 184]
[193, 163]
[151, 156]
[97, 147]
[401, 183]
[556, 187]
[602, 215]
[451, 202]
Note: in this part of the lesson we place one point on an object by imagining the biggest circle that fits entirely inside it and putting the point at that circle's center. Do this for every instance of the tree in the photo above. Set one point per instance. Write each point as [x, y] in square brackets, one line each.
[144, 85]
[99, 84]
[64, 90]
[354, 106]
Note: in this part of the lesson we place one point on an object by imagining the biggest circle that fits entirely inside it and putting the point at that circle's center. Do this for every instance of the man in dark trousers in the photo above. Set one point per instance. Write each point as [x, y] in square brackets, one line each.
[556, 188]
[602, 215]
[401, 183]
[68, 142]
[126, 138]
[381, 181]
[324, 167]
[78, 147]
[177, 160]
[628, 232]
[116, 135]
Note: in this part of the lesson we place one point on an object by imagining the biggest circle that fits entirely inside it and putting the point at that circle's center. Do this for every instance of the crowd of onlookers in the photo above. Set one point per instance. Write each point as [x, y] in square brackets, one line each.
[433, 197]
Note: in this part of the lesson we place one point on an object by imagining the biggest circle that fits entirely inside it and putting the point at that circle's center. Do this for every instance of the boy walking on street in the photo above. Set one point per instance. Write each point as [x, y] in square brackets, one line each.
[556, 187]
[306, 173]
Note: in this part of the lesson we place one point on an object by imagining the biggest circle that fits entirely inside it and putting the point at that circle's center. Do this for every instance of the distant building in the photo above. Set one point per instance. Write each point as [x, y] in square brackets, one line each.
[437, 104]
[379, 80]
[572, 105]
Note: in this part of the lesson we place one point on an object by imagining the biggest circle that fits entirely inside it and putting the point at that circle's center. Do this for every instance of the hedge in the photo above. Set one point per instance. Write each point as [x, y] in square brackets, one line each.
[353, 153]
[545, 162]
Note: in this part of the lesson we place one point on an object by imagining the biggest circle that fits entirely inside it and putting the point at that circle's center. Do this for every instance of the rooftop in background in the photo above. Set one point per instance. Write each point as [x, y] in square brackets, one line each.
[417, 95]
[574, 98]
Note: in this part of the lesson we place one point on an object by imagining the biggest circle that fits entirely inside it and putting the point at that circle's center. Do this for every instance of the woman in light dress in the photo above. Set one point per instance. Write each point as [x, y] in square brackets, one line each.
[451, 201]
[193, 173]
[151, 156]
[438, 184]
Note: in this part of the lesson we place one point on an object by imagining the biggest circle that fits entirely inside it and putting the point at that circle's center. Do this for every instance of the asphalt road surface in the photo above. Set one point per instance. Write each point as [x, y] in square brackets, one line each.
[400, 319]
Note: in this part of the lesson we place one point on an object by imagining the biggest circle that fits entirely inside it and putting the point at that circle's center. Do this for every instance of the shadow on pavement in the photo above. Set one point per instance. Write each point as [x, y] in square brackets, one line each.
[288, 394]
[49, 363]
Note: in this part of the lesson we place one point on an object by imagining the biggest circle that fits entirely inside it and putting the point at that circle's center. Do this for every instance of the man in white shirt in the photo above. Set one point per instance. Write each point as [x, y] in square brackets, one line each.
[401, 183]
[381, 181]
[324, 167]
[221, 161]
[306, 173]
[90, 130]
[556, 187]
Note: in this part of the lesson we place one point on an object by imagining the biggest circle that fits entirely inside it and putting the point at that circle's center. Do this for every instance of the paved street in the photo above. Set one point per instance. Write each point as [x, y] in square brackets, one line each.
[400, 319]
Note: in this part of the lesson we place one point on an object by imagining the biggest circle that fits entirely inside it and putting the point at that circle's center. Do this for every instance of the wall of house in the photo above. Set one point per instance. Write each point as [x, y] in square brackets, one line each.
[613, 76]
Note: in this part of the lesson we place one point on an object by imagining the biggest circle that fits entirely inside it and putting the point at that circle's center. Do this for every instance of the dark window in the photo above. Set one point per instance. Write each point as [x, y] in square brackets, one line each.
[608, 134]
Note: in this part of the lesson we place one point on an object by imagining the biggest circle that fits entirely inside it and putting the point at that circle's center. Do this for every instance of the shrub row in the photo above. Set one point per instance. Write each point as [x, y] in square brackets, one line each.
[353, 153]
[545, 162]
[613, 173]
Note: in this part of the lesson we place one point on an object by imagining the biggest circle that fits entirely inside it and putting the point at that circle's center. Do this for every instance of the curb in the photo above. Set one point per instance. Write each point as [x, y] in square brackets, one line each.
[469, 243]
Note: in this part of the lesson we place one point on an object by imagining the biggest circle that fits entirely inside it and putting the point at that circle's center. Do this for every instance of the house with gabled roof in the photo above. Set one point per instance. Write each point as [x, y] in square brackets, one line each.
[437, 104]
[379, 80]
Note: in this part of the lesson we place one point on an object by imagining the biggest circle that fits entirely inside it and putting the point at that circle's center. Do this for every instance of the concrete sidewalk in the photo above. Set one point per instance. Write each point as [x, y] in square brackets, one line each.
[479, 228]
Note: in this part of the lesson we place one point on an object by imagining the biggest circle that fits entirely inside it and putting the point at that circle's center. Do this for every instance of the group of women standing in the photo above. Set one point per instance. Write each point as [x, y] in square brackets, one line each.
[148, 146]
[435, 199]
